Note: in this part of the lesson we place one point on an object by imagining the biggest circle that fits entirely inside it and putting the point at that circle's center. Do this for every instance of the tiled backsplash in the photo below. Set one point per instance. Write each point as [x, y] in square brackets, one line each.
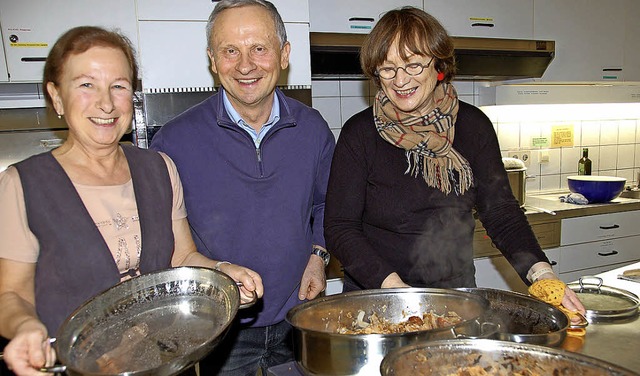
[610, 131]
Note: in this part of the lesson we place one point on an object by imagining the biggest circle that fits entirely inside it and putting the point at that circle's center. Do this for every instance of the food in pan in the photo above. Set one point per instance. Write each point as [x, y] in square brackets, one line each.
[379, 325]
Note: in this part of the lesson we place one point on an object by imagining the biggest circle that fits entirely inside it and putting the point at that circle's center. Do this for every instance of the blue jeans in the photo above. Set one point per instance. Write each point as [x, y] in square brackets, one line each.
[244, 350]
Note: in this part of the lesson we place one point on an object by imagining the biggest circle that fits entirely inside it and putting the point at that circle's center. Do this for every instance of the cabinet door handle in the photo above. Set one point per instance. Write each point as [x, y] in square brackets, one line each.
[553, 263]
[33, 59]
[482, 24]
[368, 19]
[609, 227]
[612, 253]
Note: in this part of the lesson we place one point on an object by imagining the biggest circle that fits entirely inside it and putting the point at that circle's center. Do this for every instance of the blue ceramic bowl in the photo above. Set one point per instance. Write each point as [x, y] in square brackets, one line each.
[596, 188]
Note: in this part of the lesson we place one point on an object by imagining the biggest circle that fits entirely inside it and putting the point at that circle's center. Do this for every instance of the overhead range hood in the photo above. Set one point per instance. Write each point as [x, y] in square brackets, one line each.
[337, 55]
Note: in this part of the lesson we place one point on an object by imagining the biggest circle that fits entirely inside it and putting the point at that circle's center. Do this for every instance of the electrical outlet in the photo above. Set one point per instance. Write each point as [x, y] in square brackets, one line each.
[523, 155]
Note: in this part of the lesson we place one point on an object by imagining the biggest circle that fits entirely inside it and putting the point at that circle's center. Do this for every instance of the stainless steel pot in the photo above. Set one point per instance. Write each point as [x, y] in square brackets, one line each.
[438, 358]
[153, 324]
[524, 319]
[518, 183]
[321, 350]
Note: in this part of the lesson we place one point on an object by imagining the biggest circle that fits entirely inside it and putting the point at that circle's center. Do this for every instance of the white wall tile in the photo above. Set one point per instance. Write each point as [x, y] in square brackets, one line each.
[532, 183]
[607, 172]
[569, 161]
[608, 157]
[329, 108]
[627, 174]
[322, 88]
[626, 156]
[608, 133]
[549, 182]
[350, 106]
[627, 132]
[356, 88]
[528, 130]
[564, 185]
[553, 167]
[590, 133]
[509, 136]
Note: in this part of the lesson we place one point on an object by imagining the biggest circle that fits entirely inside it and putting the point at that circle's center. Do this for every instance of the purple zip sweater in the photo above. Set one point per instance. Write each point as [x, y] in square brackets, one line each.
[261, 208]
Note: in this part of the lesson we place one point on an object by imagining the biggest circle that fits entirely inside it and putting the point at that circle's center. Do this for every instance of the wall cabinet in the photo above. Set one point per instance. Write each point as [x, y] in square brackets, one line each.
[30, 27]
[631, 62]
[173, 45]
[484, 18]
[4, 74]
[199, 10]
[353, 16]
[589, 36]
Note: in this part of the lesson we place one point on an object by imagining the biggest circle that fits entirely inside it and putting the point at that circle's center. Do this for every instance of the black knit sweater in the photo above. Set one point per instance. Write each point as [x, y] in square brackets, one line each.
[379, 220]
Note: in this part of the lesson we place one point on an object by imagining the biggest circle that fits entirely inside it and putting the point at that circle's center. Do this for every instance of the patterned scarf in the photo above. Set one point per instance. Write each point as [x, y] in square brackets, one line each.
[427, 139]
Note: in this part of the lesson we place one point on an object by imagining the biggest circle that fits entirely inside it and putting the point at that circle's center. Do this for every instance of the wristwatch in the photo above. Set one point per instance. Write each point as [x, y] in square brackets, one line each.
[324, 255]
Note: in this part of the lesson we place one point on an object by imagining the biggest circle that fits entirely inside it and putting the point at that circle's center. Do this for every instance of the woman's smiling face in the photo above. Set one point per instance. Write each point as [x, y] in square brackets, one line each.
[95, 95]
[410, 94]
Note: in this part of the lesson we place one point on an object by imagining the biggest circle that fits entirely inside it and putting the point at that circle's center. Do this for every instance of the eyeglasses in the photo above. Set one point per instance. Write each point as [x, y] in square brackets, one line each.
[412, 69]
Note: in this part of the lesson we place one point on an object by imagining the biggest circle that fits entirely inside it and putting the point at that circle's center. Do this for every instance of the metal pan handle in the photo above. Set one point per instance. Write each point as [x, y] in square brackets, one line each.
[253, 301]
[582, 324]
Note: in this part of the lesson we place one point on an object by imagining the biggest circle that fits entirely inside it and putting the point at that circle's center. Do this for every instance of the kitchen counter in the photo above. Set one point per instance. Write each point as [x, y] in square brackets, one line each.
[551, 202]
[616, 343]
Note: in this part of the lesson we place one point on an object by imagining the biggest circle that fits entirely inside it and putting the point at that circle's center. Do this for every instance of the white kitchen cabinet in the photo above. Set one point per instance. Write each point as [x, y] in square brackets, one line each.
[199, 10]
[632, 41]
[599, 227]
[484, 18]
[352, 16]
[173, 56]
[589, 36]
[4, 74]
[593, 244]
[173, 44]
[30, 27]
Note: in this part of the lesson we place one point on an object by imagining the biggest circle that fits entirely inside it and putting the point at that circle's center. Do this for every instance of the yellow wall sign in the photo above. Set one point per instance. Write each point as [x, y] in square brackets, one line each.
[561, 135]
[41, 45]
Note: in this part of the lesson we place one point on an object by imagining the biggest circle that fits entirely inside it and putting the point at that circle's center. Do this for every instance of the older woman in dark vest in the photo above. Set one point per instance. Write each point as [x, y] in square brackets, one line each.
[91, 213]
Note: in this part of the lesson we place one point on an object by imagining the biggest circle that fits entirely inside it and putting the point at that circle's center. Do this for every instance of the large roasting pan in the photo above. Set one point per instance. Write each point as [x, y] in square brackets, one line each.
[503, 358]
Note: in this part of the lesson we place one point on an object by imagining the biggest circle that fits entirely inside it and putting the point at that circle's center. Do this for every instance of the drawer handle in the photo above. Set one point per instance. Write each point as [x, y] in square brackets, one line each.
[612, 253]
[609, 227]
[367, 19]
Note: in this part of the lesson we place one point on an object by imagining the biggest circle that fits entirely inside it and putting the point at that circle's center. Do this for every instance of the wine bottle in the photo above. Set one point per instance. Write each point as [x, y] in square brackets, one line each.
[584, 164]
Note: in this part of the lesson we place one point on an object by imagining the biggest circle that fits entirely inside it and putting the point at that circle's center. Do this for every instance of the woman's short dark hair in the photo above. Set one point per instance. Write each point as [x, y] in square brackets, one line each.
[417, 32]
[79, 40]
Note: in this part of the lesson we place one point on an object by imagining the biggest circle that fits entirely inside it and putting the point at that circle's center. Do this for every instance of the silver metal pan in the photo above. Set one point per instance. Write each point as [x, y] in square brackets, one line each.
[154, 324]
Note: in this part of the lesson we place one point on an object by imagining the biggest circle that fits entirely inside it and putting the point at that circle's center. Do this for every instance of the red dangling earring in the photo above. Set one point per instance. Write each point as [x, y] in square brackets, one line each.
[440, 76]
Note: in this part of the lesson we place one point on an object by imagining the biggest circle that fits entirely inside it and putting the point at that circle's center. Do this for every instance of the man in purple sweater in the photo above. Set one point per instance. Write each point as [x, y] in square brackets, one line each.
[254, 165]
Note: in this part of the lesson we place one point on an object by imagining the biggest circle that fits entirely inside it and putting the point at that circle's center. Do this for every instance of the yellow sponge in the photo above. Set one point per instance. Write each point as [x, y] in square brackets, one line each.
[552, 291]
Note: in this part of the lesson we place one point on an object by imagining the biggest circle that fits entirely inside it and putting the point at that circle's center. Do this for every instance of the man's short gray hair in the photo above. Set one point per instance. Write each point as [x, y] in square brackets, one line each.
[227, 4]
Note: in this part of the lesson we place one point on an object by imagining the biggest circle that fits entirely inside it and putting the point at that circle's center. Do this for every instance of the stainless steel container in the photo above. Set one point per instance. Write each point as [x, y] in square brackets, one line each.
[321, 350]
[517, 174]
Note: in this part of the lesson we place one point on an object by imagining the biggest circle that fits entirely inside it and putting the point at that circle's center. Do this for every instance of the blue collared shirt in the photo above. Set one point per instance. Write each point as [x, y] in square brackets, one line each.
[236, 118]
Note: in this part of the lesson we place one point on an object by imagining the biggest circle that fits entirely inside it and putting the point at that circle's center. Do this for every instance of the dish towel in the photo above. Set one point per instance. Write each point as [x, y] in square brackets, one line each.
[552, 291]
[574, 198]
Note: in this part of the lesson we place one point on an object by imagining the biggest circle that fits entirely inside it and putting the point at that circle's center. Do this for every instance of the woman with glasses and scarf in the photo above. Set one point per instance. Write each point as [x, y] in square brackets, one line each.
[408, 172]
